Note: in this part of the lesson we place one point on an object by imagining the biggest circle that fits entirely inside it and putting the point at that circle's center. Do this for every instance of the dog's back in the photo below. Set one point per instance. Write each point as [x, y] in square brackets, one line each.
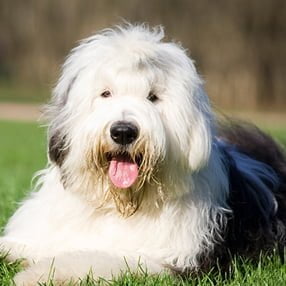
[258, 220]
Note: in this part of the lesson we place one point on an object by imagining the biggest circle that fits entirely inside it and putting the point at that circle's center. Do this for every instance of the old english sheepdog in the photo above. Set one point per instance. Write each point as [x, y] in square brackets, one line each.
[140, 174]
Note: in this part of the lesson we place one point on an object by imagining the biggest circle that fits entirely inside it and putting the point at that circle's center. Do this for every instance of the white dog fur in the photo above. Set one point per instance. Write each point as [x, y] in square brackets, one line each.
[75, 219]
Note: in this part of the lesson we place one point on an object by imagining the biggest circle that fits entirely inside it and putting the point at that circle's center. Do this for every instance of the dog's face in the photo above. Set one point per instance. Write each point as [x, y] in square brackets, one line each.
[128, 111]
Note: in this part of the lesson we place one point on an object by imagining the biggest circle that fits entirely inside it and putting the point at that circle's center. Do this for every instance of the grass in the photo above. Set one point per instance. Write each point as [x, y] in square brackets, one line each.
[279, 134]
[20, 93]
[22, 152]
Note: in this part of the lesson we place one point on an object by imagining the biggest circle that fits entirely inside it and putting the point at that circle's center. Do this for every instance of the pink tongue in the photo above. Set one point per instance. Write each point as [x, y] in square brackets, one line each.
[122, 173]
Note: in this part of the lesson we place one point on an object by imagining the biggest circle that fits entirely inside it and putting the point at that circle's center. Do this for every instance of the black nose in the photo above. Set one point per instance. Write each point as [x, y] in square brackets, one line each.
[123, 132]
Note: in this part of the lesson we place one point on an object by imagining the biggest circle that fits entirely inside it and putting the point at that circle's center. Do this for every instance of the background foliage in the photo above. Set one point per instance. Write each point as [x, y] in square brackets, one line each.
[239, 45]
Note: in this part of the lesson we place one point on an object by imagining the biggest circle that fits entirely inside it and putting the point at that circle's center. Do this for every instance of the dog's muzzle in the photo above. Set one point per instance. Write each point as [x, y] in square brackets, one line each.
[123, 132]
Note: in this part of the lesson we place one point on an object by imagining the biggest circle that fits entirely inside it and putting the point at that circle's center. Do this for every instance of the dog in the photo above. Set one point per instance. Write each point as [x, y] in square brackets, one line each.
[141, 174]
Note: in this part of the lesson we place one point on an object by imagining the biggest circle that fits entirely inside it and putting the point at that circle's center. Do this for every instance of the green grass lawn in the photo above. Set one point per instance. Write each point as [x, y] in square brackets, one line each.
[20, 93]
[22, 152]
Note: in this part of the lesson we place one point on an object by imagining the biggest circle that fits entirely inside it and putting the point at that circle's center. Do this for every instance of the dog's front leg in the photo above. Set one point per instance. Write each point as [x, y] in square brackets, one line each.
[13, 251]
[72, 266]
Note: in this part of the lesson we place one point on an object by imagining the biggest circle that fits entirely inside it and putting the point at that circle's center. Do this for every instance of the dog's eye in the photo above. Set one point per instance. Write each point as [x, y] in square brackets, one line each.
[106, 93]
[152, 96]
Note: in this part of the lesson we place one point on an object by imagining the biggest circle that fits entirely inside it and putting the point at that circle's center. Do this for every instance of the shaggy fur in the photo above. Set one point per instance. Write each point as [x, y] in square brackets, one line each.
[203, 193]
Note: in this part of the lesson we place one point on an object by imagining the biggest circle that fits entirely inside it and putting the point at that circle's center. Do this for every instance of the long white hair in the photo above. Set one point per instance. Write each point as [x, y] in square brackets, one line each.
[181, 164]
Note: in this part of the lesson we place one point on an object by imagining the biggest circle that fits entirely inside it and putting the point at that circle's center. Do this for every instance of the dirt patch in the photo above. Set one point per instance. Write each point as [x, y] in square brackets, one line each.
[21, 112]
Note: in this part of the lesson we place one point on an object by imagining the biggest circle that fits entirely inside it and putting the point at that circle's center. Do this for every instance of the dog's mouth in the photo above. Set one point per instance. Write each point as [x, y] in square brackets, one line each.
[123, 171]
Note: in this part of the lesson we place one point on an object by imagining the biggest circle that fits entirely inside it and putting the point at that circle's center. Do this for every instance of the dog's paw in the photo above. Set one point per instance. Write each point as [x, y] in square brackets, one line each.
[12, 251]
[27, 278]
[42, 272]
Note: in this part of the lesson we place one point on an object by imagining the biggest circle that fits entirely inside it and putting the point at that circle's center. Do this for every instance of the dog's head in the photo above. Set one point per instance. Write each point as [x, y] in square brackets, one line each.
[129, 111]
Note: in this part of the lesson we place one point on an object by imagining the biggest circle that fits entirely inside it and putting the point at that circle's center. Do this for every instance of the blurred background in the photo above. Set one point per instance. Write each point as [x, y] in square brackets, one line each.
[239, 45]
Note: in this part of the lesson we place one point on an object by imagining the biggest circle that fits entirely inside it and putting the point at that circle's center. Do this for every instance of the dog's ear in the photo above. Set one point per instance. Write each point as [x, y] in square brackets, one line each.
[200, 147]
[55, 113]
[57, 148]
[200, 132]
